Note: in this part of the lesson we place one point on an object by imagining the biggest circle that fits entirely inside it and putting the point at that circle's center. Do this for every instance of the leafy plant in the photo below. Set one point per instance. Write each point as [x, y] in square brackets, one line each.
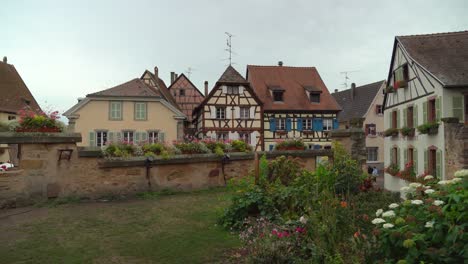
[389, 89]
[31, 121]
[391, 132]
[240, 146]
[290, 144]
[428, 128]
[407, 131]
[194, 147]
[393, 169]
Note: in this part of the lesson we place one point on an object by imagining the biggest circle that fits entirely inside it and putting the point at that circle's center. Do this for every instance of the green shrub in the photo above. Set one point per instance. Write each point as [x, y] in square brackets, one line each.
[391, 132]
[345, 172]
[428, 127]
[192, 147]
[119, 149]
[155, 148]
[240, 146]
[290, 144]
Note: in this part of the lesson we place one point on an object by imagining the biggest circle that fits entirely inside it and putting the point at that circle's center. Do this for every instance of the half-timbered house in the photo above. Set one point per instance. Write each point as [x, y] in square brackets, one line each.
[231, 111]
[427, 82]
[296, 104]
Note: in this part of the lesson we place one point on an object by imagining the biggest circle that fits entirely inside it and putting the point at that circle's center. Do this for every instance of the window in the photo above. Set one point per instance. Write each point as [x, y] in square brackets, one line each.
[128, 136]
[220, 113]
[372, 153]
[245, 137]
[371, 130]
[327, 124]
[409, 117]
[11, 117]
[153, 136]
[115, 111]
[278, 96]
[182, 92]
[394, 119]
[233, 90]
[140, 111]
[431, 110]
[379, 109]
[307, 124]
[101, 137]
[281, 124]
[314, 97]
[245, 112]
[222, 136]
[411, 156]
[401, 74]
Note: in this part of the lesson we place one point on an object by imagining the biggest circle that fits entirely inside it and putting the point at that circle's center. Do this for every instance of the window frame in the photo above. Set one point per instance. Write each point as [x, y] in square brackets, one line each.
[137, 111]
[394, 158]
[151, 138]
[307, 124]
[100, 134]
[369, 130]
[220, 112]
[379, 109]
[281, 124]
[181, 92]
[394, 119]
[131, 134]
[112, 111]
[410, 117]
[311, 94]
[279, 93]
[325, 125]
[232, 89]
[372, 151]
[242, 111]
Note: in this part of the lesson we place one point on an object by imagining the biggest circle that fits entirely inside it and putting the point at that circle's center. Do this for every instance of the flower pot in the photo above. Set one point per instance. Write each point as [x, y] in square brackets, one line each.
[433, 131]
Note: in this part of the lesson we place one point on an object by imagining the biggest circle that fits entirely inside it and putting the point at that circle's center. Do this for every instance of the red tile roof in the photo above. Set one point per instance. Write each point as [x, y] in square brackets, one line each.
[294, 81]
[14, 94]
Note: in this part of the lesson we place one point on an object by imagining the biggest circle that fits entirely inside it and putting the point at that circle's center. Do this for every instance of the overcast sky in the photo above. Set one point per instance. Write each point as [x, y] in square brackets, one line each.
[67, 49]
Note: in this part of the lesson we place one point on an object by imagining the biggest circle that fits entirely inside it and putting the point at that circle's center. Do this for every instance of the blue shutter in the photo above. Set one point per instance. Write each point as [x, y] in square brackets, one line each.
[288, 124]
[271, 147]
[335, 123]
[299, 124]
[272, 124]
[318, 124]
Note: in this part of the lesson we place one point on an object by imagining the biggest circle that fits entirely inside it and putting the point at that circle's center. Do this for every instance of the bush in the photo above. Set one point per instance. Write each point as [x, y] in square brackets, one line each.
[427, 128]
[290, 144]
[119, 150]
[31, 121]
[213, 144]
[345, 173]
[194, 147]
[429, 227]
[391, 132]
[240, 146]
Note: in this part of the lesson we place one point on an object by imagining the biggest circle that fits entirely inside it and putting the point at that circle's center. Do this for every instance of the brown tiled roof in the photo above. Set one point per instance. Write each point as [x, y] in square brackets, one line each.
[445, 55]
[132, 88]
[295, 81]
[14, 94]
[230, 75]
[192, 98]
[357, 106]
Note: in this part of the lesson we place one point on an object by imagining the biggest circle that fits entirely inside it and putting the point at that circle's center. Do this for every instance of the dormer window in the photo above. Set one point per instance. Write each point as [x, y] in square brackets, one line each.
[313, 92]
[278, 96]
[232, 90]
[314, 97]
[182, 92]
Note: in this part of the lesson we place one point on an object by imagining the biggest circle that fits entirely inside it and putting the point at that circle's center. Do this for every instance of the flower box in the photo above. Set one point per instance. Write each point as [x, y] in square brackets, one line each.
[39, 130]
[407, 131]
[401, 84]
[389, 89]
[391, 132]
[429, 128]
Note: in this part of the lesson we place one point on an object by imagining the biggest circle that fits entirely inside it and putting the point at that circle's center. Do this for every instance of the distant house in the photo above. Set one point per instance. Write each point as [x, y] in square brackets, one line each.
[14, 96]
[428, 81]
[139, 110]
[365, 102]
[230, 111]
[296, 104]
[187, 96]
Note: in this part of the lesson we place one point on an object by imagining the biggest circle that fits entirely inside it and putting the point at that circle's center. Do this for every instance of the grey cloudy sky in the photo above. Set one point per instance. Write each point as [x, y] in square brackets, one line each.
[67, 49]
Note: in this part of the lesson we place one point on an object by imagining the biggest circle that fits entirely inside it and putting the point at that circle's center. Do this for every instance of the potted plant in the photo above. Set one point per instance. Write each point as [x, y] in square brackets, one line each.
[430, 128]
[401, 84]
[389, 89]
[393, 169]
[290, 144]
[407, 131]
[391, 132]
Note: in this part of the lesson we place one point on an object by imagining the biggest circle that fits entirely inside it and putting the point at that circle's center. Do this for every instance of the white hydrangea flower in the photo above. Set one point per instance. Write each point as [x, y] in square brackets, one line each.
[429, 224]
[428, 177]
[379, 212]
[429, 191]
[377, 221]
[427, 187]
[388, 225]
[389, 213]
[303, 220]
[416, 202]
[393, 206]
[443, 182]
[438, 202]
[415, 185]
[404, 188]
[455, 180]
[461, 173]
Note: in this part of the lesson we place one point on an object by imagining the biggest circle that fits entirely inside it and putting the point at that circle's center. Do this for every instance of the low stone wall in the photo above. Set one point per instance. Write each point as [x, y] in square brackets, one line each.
[42, 173]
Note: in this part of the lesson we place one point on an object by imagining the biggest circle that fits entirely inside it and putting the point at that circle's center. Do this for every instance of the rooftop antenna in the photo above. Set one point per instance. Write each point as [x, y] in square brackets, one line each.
[229, 46]
[189, 71]
[346, 78]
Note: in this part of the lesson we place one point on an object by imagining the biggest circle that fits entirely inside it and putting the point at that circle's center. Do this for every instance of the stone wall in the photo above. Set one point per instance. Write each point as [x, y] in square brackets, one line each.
[456, 148]
[42, 174]
[354, 141]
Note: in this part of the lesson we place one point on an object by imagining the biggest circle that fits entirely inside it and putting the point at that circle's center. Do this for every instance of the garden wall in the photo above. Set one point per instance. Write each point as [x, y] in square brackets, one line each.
[45, 170]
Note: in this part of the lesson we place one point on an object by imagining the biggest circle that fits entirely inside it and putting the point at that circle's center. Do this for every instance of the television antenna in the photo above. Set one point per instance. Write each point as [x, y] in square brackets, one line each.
[189, 71]
[346, 78]
[229, 46]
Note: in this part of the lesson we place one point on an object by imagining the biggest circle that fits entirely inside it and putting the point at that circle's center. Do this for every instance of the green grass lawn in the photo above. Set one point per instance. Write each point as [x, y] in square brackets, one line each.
[178, 228]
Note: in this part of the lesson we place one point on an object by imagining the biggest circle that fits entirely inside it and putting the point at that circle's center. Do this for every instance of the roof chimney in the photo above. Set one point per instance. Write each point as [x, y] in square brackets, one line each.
[5, 60]
[156, 72]
[353, 90]
[336, 90]
[206, 88]
[280, 63]
[172, 77]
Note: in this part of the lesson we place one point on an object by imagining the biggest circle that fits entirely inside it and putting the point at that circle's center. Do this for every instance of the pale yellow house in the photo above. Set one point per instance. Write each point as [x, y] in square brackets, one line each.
[365, 102]
[15, 96]
[137, 111]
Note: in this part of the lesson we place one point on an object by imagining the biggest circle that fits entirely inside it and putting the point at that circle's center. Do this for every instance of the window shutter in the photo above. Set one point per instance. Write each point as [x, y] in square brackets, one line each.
[224, 88]
[415, 115]
[398, 118]
[92, 139]
[438, 110]
[144, 137]
[336, 125]
[405, 156]
[439, 164]
[137, 138]
[391, 156]
[272, 124]
[110, 137]
[425, 112]
[119, 136]
[415, 161]
[318, 124]
[389, 119]
[457, 107]
[405, 121]
[161, 136]
[288, 124]
[426, 167]
[366, 131]
[299, 124]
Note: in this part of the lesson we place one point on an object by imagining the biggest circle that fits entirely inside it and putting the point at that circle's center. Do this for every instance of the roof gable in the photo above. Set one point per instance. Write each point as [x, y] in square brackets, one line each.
[183, 78]
[296, 82]
[132, 88]
[230, 75]
[15, 93]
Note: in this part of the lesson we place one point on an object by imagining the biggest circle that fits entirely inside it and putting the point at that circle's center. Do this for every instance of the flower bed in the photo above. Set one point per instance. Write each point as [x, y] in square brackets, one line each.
[290, 144]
